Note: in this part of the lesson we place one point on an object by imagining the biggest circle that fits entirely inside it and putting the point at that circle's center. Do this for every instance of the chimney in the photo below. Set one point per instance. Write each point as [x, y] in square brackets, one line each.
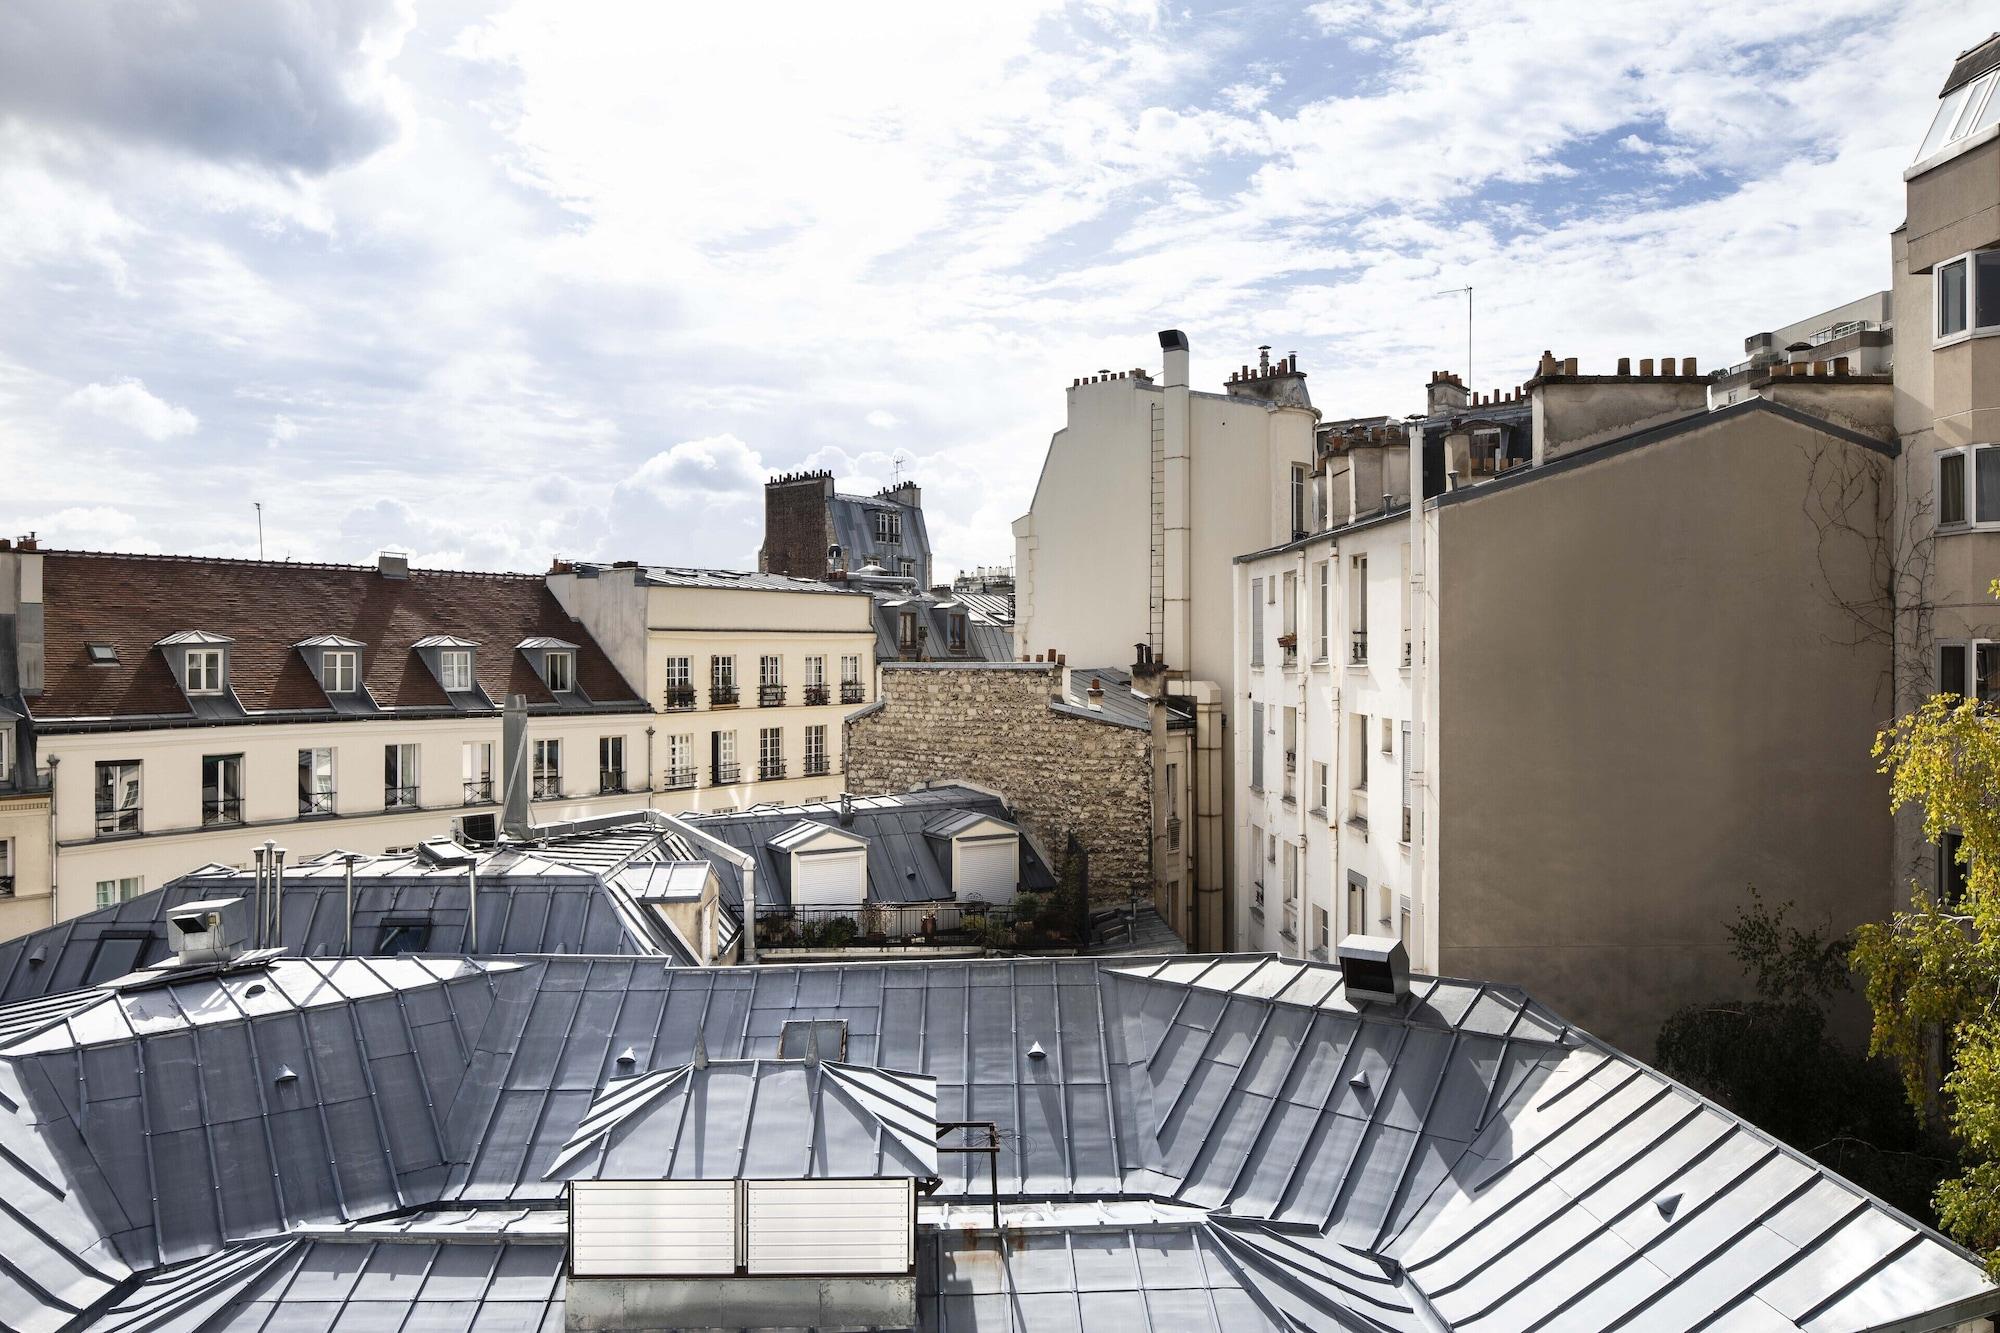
[1095, 694]
[1445, 395]
[514, 821]
[393, 564]
[846, 810]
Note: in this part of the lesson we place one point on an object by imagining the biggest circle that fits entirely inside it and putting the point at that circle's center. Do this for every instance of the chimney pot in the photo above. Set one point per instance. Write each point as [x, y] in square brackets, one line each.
[1624, 365]
[1687, 365]
[1569, 366]
[1646, 366]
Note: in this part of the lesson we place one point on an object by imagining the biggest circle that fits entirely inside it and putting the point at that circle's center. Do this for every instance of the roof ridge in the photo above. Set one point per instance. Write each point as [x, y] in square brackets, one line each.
[321, 565]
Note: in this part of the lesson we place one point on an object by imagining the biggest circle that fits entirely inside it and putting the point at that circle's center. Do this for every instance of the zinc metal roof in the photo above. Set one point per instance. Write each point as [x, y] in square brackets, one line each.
[1461, 1158]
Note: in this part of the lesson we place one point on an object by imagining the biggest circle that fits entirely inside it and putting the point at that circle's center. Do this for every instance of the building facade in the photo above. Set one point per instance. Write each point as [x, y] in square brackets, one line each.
[750, 674]
[811, 531]
[1576, 767]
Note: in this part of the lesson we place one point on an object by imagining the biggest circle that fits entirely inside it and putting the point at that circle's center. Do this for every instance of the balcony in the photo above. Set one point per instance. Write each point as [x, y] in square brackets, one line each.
[770, 696]
[222, 810]
[479, 792]
[399, 798]
[852, 692]
[119, 823]
[722, 696]
[316, 802]
[816, 695]
[547, 788]
[726, 775]
[770, 770]
[1357, 648]
[678, 779]
[1289, 643]
[679, 698]
[816, 766]
[610, 781]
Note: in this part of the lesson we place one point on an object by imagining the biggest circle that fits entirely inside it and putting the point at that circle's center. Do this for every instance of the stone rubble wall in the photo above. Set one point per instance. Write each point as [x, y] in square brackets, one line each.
[1061, 774]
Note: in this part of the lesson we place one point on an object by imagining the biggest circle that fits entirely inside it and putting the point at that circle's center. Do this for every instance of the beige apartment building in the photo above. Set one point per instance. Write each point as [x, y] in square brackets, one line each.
[751, 674]
[1626, 677]
[170, 712]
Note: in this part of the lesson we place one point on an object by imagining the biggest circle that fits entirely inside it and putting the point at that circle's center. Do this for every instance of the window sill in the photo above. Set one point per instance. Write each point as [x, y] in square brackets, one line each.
[1256, 911]
[1317, 811]
[1960, 529]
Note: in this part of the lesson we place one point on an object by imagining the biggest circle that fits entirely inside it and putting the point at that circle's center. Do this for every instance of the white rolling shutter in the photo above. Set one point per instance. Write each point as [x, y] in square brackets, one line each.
[989, 869]
[829, 879]
[636, 1228]
[829, 1226]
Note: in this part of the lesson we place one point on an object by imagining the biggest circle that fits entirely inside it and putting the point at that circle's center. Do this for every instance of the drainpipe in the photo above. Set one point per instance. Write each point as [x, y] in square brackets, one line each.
[1301, 728]
[649, 768]
[55, 849]
[744, 862]
[515, 821]
[348, 861]
[472, 905]
[1420, 917]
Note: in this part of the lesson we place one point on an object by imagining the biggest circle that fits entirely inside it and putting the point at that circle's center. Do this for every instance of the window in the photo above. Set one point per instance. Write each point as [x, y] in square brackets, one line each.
[1968, 483]
[721, 680]
[1357, 904]
[1970, 670]
[1257, 870]
[1256, 746]
[117, 797]
[103, 654]
[770, 753]
[907, 568]
[851, 691]
[610, 764]
[6, 867]
[680, 761]
[680, 683]
[1357, 602]
[815, 670]
[399, 777]
[1256, 622]
[316, 781]
[1173, 807]
[456, 668]
[1288, 618]
[1963, 111]
[722, 757]
[1319, 787]
[547, 772]
[906, 631]
[1360, 752]
[816, 760]
[1388, 736]
[1408, 593]
[1965, 295]
[770, 680]
[112, 891]
[561, 668]
[409, 936]
[6, 755]
[823, 1037]
[477, 763]
[1951, 871]
[204, 671]
[1291, 925]
[1406, 782]
[1301, 499]
[1291, 739]
[222, 789]
[888, 525]
[956, 627]
[1322, 934]
[339, 671]
[1323, 605]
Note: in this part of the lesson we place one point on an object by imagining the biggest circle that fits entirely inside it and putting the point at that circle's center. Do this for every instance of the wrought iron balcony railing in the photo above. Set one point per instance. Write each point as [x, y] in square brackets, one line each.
[222, 810]
[679, 698]
[770, 696]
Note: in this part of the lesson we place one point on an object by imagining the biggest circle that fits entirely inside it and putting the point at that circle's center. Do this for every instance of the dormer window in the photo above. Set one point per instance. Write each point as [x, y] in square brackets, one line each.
[889, 525]
[204, 671]
[455, 668]
[561, 672]
[340, 670]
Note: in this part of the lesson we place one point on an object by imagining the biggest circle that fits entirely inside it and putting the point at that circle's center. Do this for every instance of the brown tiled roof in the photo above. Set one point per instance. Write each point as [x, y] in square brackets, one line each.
[134, 601]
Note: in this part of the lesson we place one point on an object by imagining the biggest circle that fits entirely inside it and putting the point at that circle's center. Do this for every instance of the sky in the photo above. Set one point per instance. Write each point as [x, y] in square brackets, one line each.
[497, 283]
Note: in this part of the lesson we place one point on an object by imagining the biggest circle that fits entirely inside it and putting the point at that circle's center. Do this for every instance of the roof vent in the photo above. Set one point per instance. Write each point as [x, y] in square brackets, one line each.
[285, 1074]
[210, 931]
[1035, 1052]
[1667, 1204]
[393, 564]
[1376, 968]
[1359, 1081]
[628, 1056]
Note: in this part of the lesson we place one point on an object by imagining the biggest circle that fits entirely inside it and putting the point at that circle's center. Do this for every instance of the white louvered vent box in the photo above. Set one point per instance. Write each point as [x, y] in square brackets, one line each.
[652, 1228]
[830, 1227]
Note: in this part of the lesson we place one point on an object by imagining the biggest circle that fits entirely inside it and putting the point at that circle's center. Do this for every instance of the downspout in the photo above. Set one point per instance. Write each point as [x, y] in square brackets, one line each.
[649, 767]
[1420, 915]
[1301, 728]
[472, 905]
[744, 862]
[55, 846]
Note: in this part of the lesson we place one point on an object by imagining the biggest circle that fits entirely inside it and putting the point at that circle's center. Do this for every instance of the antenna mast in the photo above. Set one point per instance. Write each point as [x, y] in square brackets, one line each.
[260, 527]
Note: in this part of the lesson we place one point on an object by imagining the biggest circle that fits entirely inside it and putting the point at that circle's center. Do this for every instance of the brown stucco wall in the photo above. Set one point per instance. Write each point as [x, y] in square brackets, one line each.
[1649, 701]
[797, 530]
[1061, 774]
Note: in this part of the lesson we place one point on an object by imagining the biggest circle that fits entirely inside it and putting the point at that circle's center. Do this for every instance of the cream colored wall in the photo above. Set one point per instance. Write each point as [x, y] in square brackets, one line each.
[1646, 707]
[613, 607]
[24, 823]
[1082, 565]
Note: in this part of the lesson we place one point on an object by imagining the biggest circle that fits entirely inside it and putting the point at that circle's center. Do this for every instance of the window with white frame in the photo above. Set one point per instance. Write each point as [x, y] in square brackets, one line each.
[1319, 787]
[1965, 296]
[1322, 933]
[1965, 110]
[6, 867]
[815, 671]
[316, 781]
[561, 669]
[6, 755]
[1360, 730]
[399, 777]
[117, 796]
[1257, 870]
[770, 669]
[1970, 669]
[1322, 608]
[222, 789]
[476, 763]
[1388, 736]
[1288, 613]
[816, 757]
[888, 525]
[339, 671]
[610, 764]
[547, 772]
[1256, 622]
[1968, 487]
[850, 669]
[722, 746]
[123, 889]
[770, 753]
[680, 773]
[1301, 499]
[455, 665]
[1406, 782]
[204, 671]
[1357, 610]
[1256, 746]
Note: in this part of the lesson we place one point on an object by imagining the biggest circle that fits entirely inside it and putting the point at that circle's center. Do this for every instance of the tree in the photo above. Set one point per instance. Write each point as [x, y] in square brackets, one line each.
[1933, 971]
[1770, 1059]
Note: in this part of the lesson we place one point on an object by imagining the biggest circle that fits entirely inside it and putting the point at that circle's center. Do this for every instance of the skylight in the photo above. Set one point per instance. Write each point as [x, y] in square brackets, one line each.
[1963, 112]
[103, 654]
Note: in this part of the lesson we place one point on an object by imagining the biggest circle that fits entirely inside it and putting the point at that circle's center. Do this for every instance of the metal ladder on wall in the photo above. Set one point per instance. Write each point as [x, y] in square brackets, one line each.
[1156, 606]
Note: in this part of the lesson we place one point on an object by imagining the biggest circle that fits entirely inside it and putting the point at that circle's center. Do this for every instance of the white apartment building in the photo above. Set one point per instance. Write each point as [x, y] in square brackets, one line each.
[751, 674]
[162, 713]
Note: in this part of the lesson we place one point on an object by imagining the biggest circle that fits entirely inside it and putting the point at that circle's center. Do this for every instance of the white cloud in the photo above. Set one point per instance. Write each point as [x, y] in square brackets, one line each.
[91, 528]
[128, 403]
[882, 420]
[283, 431]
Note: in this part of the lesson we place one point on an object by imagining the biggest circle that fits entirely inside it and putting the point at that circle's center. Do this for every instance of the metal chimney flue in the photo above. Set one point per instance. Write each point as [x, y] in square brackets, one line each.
[514, 821]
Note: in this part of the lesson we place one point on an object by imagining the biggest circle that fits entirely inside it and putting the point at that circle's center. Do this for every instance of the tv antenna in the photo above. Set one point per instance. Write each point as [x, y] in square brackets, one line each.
[260, 527]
